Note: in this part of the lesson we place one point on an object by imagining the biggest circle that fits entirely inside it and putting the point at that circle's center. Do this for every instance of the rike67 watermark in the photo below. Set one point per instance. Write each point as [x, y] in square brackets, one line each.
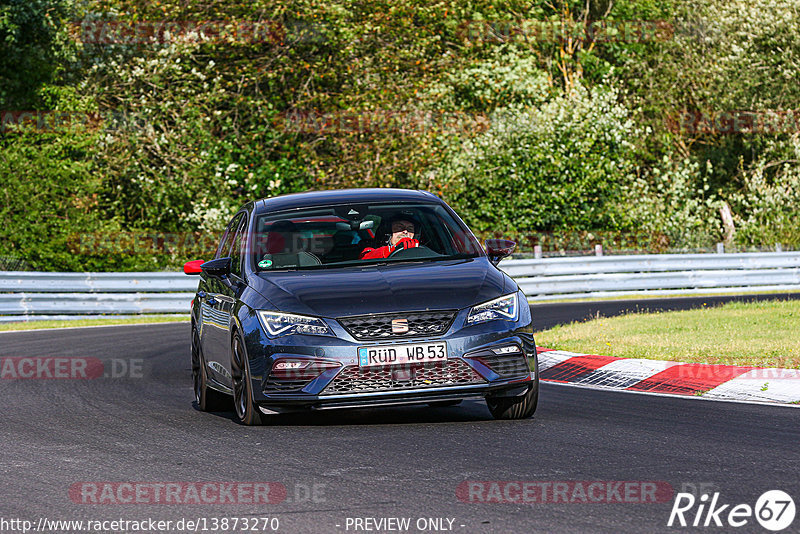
[774, 510]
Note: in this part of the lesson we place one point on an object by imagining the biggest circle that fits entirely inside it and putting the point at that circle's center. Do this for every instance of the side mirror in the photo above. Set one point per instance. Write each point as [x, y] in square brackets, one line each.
[193, 267]
[219, 268]
[497, 249]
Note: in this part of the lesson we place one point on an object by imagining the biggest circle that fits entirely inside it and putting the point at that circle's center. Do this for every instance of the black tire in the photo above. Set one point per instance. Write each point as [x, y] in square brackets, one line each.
[207, 399]
[246, 411]
[444, 404]
[516, 407]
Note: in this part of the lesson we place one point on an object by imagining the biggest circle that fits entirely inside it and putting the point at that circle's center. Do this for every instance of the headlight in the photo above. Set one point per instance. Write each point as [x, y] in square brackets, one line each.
[282, 324]
[503, 308]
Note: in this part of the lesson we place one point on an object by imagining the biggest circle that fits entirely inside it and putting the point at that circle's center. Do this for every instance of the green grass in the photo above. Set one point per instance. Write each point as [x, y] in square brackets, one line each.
[644, 295]
[762, 334]
[38, 325]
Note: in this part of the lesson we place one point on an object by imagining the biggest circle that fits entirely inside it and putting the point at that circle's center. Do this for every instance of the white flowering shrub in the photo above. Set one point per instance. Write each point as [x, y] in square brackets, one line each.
[505, 79]
[725, 57]
[767, 208]
[674, 204]
[751, 51]
[185, 151]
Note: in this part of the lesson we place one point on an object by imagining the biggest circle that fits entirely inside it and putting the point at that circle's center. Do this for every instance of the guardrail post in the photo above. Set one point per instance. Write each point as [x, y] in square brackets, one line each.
[598, 250]
[720, 248]
[778, 247]
[537, 251]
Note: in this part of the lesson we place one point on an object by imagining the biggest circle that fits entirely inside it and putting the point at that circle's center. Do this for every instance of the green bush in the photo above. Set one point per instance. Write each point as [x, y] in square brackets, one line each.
[29, 51]
[558, 166]
[50, 198]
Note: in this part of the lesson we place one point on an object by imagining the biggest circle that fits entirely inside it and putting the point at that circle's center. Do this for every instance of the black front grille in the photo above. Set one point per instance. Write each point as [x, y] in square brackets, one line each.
[275, 385]
[354, 379]
[372, 327]
[507, 366]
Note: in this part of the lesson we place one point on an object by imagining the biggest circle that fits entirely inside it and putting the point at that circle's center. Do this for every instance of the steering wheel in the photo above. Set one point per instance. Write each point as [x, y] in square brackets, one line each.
[416, 252]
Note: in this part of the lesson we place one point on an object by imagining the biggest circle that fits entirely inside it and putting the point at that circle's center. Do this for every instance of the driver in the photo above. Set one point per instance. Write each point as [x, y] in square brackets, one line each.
[403, 230]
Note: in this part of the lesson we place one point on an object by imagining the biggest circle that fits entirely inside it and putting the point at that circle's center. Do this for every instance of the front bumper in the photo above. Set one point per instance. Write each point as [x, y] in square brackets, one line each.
[473, 369]
[395, 398]
[466, 375]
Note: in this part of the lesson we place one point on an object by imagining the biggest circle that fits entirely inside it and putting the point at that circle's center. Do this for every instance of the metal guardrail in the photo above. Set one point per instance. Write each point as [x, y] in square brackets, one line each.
[24, 281]
[29, 295]
[610, 276]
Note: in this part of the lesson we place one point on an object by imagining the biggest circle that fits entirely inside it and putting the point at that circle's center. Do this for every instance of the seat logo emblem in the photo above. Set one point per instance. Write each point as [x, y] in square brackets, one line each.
[399, 326]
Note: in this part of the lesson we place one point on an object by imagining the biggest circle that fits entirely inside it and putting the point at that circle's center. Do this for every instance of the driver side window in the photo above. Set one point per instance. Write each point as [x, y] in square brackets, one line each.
[227, 237]
[236, 248]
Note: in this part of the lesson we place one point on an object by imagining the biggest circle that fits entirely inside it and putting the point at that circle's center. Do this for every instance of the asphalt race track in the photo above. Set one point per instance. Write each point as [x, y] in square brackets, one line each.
[401, 462]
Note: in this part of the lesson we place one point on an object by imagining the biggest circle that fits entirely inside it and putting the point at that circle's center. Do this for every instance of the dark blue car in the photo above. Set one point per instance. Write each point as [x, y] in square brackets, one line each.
[358, 298]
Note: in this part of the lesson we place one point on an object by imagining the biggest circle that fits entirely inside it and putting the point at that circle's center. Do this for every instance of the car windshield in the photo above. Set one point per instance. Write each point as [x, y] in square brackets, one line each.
[352, 235]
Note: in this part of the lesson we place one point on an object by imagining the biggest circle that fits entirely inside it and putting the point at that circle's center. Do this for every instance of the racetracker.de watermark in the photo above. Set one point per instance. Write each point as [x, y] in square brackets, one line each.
[583, 240]
[69, 368]
[199, 244]
[735, 122]
[780, 369]
[160, 32]
[49, 121]
[558, 31]
[194, 524]
[177, 493]
[381, 120]
[187, 244]
[564, 492]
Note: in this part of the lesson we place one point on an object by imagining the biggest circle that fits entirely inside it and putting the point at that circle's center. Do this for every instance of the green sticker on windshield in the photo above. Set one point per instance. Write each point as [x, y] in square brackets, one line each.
[265, 264]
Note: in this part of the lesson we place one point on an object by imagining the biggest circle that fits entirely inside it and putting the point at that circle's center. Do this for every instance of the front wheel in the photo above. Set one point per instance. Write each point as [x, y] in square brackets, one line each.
[246, 410]
[515, 407]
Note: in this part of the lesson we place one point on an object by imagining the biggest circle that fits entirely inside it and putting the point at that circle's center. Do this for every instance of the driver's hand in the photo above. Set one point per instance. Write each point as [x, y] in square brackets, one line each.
[404, 243]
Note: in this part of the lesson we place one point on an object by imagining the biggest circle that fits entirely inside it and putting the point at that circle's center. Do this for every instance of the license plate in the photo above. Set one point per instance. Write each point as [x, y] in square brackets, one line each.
[381, 355]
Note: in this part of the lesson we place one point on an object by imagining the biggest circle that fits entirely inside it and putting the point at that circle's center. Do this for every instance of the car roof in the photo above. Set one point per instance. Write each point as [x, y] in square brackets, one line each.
[342, 196]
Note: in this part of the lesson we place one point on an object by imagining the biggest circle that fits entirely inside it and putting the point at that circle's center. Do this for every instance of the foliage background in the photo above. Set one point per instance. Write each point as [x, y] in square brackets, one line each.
[565, 139]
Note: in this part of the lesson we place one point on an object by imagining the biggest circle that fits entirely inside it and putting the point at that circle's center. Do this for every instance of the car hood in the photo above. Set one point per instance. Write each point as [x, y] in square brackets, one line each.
[383, 288]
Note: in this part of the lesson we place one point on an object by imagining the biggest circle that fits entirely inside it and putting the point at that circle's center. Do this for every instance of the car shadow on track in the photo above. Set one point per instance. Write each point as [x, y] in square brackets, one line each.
[467, 412]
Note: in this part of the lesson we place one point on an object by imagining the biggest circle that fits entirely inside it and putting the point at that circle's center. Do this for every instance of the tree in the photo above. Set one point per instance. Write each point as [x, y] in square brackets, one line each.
[29, 48]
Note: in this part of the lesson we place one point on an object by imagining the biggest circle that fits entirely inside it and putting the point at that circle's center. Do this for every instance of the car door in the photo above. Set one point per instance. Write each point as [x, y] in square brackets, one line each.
[213, 303]
[227, 294]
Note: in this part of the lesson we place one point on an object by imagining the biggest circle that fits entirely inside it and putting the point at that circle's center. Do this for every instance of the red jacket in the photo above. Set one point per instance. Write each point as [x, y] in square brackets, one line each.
[385, 251]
